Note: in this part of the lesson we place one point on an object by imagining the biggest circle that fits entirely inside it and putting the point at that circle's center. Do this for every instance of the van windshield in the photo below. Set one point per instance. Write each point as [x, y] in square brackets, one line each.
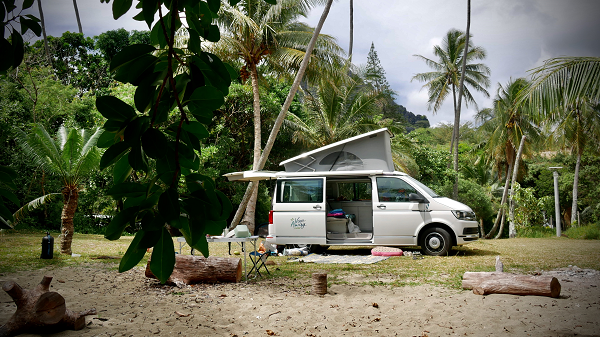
[423, 187]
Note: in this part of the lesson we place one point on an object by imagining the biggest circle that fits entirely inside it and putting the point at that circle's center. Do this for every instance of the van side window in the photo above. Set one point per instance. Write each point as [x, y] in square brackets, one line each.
[393, 189]
[299, 190]
[353, 191]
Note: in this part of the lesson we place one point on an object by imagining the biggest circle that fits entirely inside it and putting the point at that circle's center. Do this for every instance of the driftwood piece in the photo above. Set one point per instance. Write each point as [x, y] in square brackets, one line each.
[484, 283]
[40, 311]
[191, 269]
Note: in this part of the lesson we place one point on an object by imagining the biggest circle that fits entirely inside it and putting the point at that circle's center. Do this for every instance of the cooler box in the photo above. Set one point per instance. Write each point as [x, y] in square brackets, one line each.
[337, 225]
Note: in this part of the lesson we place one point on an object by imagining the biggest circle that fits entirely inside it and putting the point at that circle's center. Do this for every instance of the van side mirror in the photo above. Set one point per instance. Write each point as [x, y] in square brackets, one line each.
[414, 197]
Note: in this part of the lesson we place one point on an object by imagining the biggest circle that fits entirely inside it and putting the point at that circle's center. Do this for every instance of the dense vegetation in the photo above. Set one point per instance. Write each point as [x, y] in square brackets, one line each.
[77, 82]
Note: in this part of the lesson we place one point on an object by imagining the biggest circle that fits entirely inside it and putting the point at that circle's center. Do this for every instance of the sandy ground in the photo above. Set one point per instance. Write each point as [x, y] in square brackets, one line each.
[129, 304]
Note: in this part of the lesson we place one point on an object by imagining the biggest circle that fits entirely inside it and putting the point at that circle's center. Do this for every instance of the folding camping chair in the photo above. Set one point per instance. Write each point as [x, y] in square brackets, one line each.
[258, 262]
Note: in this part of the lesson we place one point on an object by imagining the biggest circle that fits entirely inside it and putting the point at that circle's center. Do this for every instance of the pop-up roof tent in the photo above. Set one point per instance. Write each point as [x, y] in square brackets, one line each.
[369, 151]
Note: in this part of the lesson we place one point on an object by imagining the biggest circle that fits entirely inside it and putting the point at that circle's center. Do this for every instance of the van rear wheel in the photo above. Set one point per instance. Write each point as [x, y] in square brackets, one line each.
[435, 241]
[312, 248]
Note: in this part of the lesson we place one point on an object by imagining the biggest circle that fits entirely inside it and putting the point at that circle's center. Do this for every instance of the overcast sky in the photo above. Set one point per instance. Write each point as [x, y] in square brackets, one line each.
[518, 35]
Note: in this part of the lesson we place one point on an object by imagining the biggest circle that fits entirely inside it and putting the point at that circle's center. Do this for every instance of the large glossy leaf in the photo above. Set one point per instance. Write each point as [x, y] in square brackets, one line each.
[106, 139]
[215, 227]
[135, 71]
[168, 204]
[112, 154]
[152, 222]
[214, 5]
[134, 254]
[205, 100]
[6, 56]
[214, 71]
[129, 54]
[127, 189]
[202, 246]
[135, 129]
[226, 206]
[143, 98]
[7, 174]
[196, 128]
[17, 47]
[10, 196]
[197, 214]
[114, 109]
[150, 239]
[163, 257]
[149, 8]
[122, 170]
[120, 7]
[155, 143]
[138, 159]
[119, 222]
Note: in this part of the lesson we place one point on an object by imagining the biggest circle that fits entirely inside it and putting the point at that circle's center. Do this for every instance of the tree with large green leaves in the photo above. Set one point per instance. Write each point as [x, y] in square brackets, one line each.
[567, 91]
[445, 77]
[507, 122]
[256, 33]
[177, 90]
[72, 156]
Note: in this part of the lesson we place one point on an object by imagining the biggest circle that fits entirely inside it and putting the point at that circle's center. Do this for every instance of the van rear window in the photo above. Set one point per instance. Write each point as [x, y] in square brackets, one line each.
[299, 190]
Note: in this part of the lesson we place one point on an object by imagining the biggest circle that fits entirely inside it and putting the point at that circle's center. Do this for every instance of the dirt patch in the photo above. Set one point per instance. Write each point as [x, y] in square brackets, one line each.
[129, 304]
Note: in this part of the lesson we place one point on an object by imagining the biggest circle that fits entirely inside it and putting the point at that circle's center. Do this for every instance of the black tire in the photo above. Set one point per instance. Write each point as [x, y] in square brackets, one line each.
[312, 248]
[435, 241]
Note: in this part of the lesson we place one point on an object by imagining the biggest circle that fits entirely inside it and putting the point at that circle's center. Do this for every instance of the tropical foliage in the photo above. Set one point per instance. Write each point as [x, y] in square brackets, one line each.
[71, 156]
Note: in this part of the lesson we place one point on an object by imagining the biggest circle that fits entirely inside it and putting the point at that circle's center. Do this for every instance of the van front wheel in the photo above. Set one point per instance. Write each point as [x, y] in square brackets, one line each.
[435, 241]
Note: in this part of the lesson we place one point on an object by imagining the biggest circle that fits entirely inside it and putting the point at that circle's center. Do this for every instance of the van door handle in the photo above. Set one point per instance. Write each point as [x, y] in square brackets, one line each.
[317, 207]
[381, 206]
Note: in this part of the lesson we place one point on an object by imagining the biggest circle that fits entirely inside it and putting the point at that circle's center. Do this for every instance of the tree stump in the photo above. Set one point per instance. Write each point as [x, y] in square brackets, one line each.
[40, 311]
[191, 269]
[484, 283]
[319, 283]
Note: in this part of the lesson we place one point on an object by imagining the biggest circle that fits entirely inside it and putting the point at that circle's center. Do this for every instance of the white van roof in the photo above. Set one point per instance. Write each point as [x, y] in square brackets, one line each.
[268, 175]
[368, 151]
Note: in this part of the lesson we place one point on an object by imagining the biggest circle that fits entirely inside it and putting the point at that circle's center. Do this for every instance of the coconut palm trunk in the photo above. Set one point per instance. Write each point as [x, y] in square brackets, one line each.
[461, 87]
[351, 30]
[512, 231]
[70, 198]
[283, 112]
[501, 211]
[44, 32]
[250, 213]
[77, 16]
[575, 188]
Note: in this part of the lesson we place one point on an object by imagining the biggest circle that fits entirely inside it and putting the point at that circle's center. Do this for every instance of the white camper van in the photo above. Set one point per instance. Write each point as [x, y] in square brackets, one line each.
[373, 204]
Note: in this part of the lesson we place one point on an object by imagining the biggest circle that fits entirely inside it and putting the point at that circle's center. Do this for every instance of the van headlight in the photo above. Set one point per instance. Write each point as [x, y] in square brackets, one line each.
[465, 215]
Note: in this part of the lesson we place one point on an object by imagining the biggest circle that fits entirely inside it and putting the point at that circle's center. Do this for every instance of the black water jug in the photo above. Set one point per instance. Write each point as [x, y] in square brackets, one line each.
[47, 246]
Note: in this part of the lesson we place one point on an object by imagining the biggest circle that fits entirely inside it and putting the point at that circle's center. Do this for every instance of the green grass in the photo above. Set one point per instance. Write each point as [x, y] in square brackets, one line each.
[536, 232]
[589, 232]
[21, 251]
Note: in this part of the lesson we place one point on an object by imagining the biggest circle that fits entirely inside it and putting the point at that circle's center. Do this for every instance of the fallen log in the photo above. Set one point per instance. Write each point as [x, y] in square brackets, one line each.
[484, 283]
[191, 269]
[40, 311]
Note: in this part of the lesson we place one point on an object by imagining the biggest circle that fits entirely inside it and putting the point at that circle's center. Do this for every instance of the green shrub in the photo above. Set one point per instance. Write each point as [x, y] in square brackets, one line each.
[589, 232]
[535, 232]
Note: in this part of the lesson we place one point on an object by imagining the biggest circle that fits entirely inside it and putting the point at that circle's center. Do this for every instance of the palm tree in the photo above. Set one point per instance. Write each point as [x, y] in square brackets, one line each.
[351, 30]
[77, 16]
[445, 78]
[343, 107]
[72, 156]
[258, 33]
[567, 90]
[508, 122]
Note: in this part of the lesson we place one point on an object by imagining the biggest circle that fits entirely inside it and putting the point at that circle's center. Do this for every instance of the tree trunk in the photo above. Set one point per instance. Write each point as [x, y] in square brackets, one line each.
[44, 32]
[40, 311]
[191, 269]
[284, 109]
[250, 213]
[454, 126]
[460, 95]
[575, 189]
[70, 196]
[351, 30]
[484, 283]
[512, 232]
[77, 16]
[501, 211]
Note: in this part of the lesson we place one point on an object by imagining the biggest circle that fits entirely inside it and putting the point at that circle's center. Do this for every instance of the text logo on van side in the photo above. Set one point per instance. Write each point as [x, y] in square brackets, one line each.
[298, 223]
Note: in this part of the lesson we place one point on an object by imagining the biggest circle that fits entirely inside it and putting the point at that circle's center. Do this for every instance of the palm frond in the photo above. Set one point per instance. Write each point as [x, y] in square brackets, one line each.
[33, 204]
